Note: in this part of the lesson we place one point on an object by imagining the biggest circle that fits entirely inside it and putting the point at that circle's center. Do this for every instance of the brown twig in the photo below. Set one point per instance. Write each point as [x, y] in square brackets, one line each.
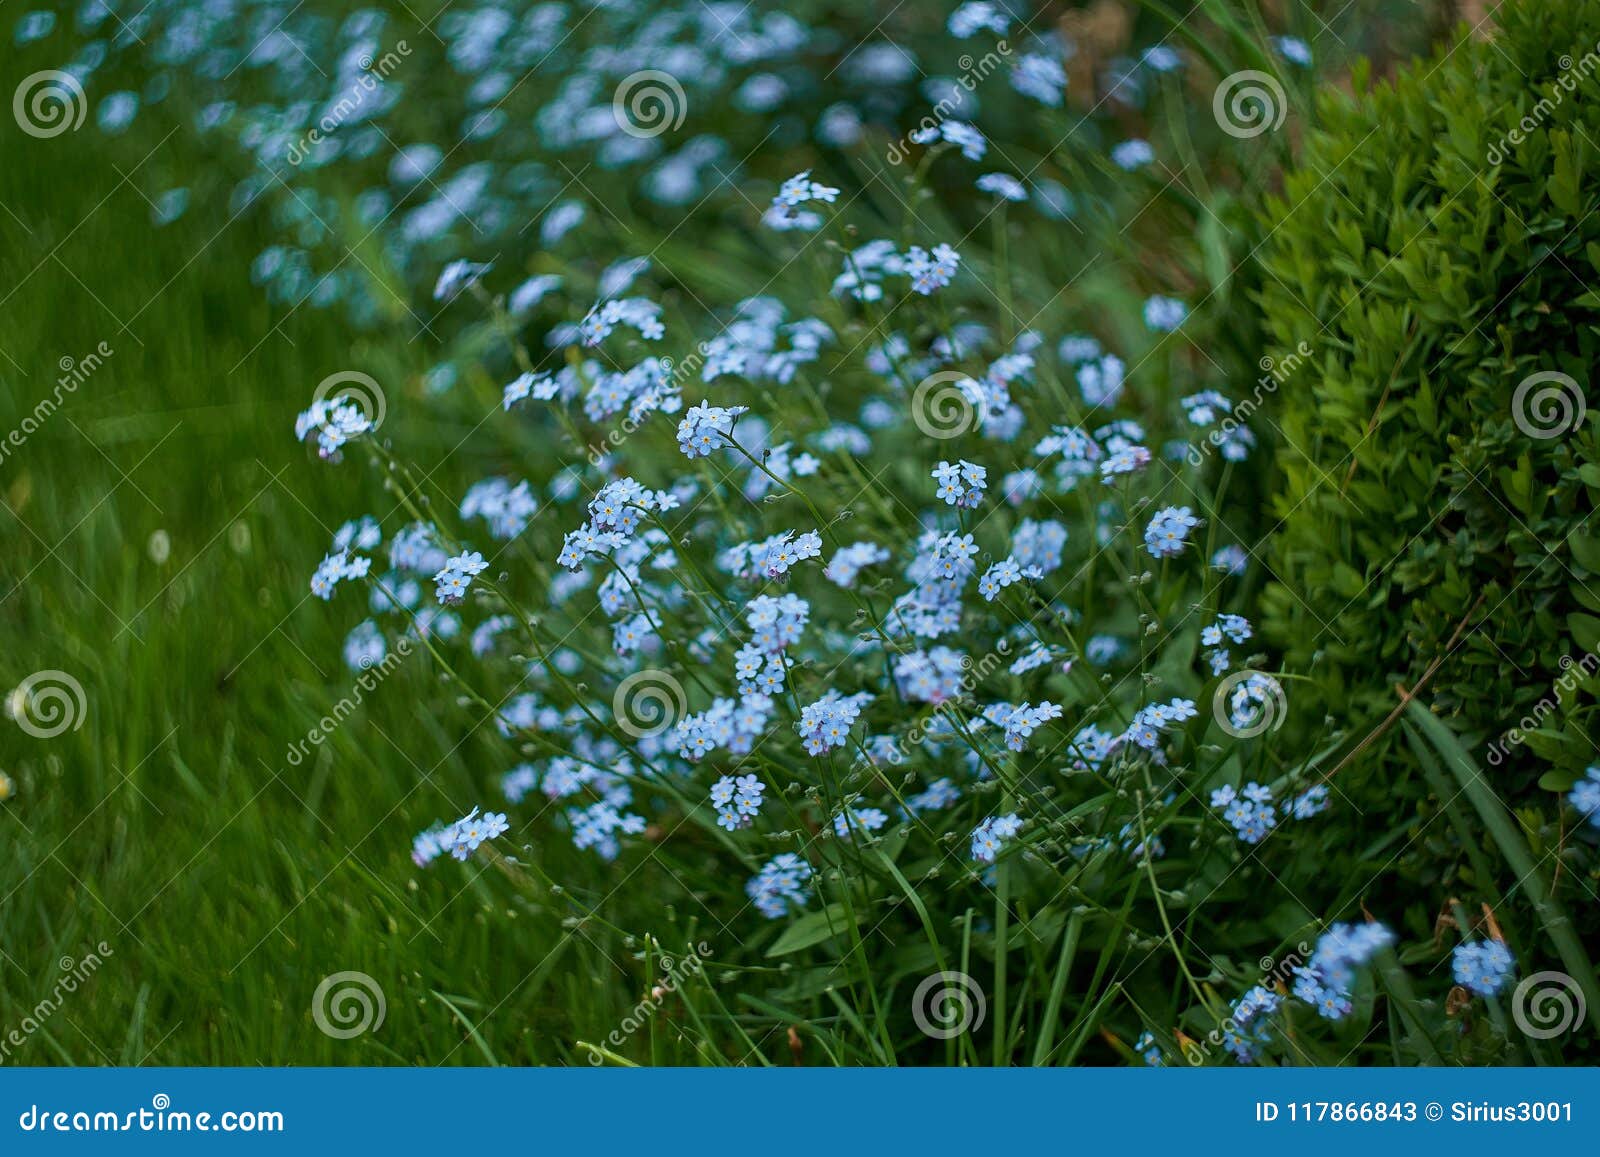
[1408, 696]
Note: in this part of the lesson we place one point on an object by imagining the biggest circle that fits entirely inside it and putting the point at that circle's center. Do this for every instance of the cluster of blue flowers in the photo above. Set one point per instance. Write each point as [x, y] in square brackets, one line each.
[737, 800]
[780, 885]
[331, 423]
[1149, 1050]
[1327, 980]
[854, 821]
[1249, 812]
[1253, 700]
[1482, 966]
[336, 568]
[785, 212]
[706, 428]
[931, 271]
[1150, 722]
[1252, 813]
[989, 837]
[1248, 1029]
[1585, 796]
[1168, 531]
[457, 574]
[459, 839]
[1234, 629]
[961, 485]
[824, 726]
[642, 584]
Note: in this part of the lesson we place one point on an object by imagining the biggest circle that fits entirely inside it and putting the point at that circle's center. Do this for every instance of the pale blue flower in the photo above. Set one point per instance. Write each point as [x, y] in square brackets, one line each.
[930, 272]
[456, 277]
[853, 820]
[1483, 967]
[825, 725]
[1585, 796]
[1002, 185]
[990, 836]
[1293, 49]
[1168, 531]
[1132, 154]
[975, 16]
[1040, 77]
[1325, 982]
[1164, 314]
[456, 576]
[706, 428]
[1160, 58]
[780, 886]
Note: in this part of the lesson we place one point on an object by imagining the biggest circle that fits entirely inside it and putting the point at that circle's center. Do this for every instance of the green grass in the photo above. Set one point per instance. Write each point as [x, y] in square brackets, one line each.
[170, 825]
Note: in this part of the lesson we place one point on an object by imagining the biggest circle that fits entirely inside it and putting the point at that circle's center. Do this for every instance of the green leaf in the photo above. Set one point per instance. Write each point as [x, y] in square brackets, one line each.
[812, 928]
[1585, 550]
[1558, 779]
[1585, 630]
[1551, 745]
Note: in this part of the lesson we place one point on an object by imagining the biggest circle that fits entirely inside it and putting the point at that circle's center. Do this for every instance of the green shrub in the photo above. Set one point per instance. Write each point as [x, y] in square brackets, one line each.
[1436, 247]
